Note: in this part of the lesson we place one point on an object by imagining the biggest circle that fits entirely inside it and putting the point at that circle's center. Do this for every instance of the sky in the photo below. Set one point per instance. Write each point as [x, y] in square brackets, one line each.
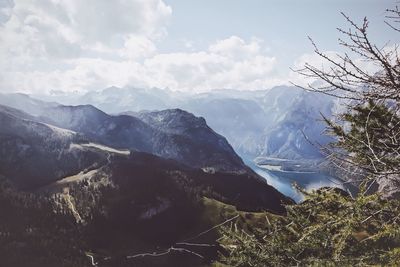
[50, 46]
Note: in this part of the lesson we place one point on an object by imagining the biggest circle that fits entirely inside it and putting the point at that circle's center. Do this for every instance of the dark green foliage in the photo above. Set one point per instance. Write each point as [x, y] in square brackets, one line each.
[37, 231]
[371, 140]
[327, 229]
[118, 216]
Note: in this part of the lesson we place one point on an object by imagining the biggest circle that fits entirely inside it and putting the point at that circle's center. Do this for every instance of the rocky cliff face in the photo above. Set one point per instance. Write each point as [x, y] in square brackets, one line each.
[299, 131]
[191, 140]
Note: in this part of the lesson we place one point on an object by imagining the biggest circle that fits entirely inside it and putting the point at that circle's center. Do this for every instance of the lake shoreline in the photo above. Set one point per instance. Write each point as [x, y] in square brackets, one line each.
[283, 180]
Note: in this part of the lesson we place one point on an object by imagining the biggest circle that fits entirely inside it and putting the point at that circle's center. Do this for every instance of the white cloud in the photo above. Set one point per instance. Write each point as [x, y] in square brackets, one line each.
[205, 70]
[56, 29]
[236, 47]
[310, 59]
[136, 47]
[76, 45]
[91, 21]
[79, 45]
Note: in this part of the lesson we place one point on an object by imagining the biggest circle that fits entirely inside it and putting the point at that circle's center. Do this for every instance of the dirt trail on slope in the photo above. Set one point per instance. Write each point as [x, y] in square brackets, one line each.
[71, 206]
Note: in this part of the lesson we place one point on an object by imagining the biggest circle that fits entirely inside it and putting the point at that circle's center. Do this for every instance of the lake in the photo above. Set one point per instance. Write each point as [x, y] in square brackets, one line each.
[283, 180]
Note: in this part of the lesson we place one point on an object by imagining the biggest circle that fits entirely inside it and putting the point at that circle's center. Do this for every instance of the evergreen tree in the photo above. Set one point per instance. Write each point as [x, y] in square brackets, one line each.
[328, 229]
[331, 227]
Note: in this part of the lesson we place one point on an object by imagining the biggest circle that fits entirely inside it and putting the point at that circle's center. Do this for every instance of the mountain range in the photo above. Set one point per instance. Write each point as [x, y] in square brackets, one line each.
[283, 122]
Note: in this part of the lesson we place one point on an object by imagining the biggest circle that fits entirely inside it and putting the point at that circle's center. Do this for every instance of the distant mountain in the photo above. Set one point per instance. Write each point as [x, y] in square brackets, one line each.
[268, 123]
[30, 105]
[173, 134]
[296, 130]
[242, 121]
[115, 100]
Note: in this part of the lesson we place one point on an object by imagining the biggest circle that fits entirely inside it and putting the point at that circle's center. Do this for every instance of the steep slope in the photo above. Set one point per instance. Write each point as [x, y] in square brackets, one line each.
[37, 232]
[45, 153]
[34, 153]
[299, 130]
[242, 121]
[197, 141]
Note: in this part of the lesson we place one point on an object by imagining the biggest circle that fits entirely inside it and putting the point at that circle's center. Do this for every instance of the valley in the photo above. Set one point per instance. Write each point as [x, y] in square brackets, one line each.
[281, 127]
[140, 185]
[130, 184]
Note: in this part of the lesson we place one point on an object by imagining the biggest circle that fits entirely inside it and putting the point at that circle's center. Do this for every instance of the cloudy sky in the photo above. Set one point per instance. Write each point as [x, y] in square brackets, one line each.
[189, 45]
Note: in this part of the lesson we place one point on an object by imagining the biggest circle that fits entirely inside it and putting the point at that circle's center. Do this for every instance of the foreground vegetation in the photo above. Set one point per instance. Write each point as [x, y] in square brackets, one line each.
[328, 229]
[332, 227]
[43, 231]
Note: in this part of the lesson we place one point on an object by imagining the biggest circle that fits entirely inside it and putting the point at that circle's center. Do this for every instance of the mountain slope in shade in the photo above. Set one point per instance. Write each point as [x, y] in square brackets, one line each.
[195, 144]
[34, 153]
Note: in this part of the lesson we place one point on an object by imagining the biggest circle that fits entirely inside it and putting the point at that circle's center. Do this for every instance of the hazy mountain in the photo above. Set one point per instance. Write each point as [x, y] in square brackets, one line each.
[115, 99]
[242, 121]
[32, 106]
[296, 129]
[268, 123]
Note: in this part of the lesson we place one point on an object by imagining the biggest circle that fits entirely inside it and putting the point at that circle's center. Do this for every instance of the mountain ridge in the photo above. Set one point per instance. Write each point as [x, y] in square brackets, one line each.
[249, 119]
[130, 132]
